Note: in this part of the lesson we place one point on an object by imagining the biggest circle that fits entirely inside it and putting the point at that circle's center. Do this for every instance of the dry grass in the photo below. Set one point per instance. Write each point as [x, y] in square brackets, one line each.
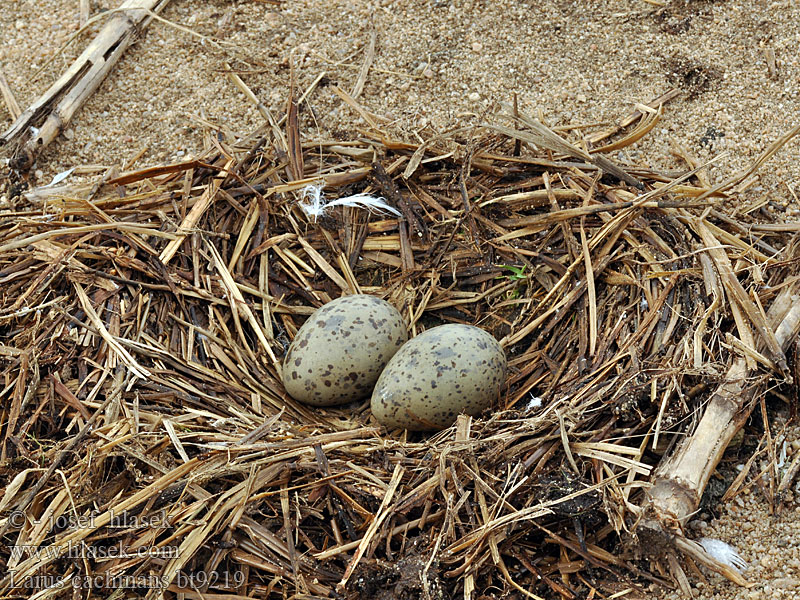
[144, 317]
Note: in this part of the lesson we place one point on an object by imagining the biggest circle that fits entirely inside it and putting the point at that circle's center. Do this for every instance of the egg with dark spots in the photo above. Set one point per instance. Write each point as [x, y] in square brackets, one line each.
[444, 371]
[339, 352]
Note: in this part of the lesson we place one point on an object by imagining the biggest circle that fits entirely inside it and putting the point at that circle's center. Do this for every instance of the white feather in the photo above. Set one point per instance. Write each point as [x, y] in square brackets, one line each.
[59, 178]
[534, 402]
[724, 553]
[317, 204]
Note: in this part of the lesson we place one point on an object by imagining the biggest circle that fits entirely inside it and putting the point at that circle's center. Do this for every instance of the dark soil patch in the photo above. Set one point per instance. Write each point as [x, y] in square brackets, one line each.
[692, 77]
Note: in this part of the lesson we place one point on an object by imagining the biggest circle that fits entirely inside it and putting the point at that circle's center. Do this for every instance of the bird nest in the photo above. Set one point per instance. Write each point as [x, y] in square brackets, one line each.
[148, 443]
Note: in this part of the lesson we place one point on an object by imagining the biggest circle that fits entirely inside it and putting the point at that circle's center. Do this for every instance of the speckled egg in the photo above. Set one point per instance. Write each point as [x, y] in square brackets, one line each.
[339, 352]
[442, 372]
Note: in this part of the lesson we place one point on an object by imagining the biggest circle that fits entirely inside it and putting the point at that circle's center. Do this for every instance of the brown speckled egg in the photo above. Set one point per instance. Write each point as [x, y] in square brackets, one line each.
[442, 372]
[339, 352]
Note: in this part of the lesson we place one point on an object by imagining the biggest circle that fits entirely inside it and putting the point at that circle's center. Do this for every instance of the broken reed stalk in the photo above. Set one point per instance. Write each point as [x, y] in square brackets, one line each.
[47, 117]
[8, 97]
[680, 480]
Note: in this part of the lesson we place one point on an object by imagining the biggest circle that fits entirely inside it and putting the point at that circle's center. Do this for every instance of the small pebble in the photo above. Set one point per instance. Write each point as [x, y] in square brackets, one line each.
[786, 583]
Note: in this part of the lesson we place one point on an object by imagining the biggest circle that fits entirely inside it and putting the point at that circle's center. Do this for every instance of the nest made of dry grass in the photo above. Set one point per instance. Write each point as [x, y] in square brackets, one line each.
[144, 317]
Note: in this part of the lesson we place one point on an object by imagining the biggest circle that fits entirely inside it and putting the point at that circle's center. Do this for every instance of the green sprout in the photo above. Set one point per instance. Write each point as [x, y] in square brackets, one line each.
[516, 274]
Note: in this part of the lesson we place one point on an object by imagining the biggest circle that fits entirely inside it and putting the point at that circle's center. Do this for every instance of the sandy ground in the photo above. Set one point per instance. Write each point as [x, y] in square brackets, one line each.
[438, 63]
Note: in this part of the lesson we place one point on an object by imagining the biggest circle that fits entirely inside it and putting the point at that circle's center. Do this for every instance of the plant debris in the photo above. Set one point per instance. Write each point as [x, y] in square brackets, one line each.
[144, 317]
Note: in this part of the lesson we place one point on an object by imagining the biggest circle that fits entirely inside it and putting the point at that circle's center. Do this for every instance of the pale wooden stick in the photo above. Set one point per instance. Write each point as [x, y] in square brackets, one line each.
[84, 12]
[63, 99]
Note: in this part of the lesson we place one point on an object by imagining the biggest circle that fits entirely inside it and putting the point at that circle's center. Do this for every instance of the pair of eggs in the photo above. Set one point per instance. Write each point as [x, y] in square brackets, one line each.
[357, 345]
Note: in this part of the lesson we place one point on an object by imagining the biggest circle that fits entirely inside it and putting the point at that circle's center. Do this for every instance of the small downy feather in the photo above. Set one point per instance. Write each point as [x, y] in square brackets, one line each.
[59, 178]
[724, 553]
[317, 205]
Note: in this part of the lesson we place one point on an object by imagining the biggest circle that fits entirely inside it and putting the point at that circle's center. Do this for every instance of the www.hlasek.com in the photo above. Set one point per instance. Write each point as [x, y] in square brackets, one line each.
[93, 552]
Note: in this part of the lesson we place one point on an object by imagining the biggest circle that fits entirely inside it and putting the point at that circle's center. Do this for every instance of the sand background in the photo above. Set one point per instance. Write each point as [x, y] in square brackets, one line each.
[439, 63]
